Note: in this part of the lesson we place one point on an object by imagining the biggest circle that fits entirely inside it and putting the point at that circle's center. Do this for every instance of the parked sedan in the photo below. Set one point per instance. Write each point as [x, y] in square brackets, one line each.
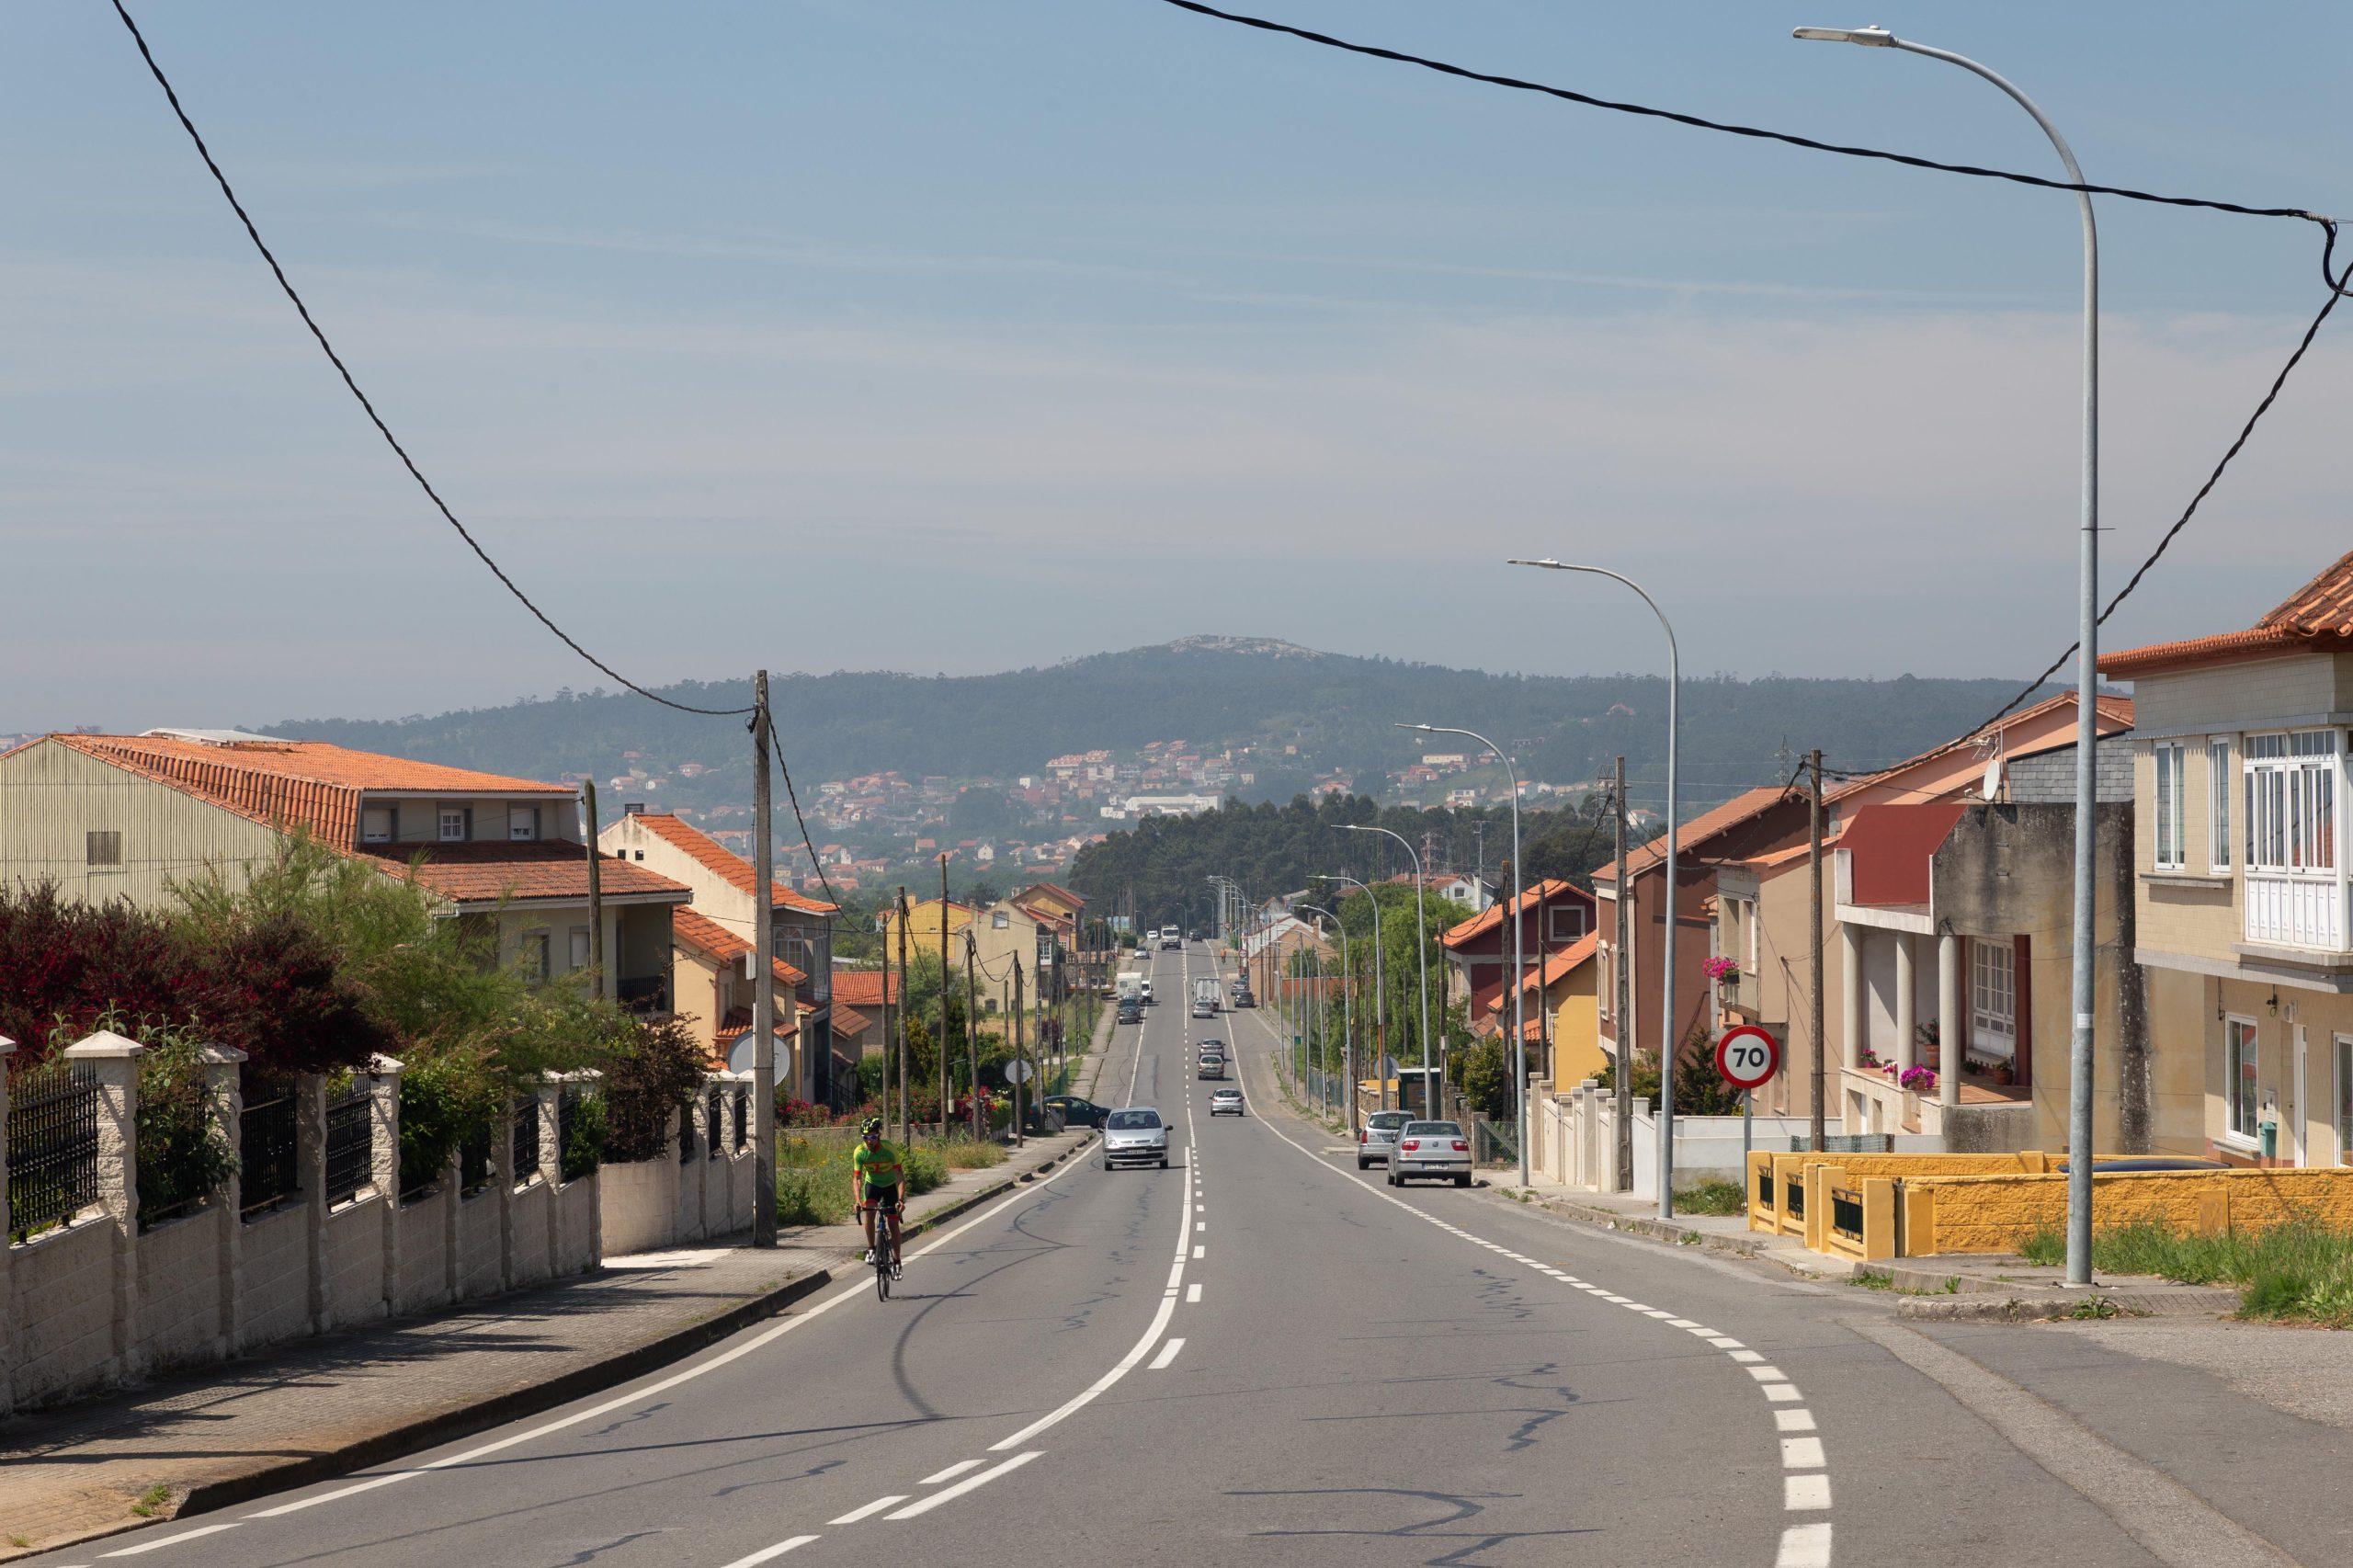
[1076, 1112]
[1135, 1135]
[1435, 1149]
[1378, 1139]
[1226, 1101]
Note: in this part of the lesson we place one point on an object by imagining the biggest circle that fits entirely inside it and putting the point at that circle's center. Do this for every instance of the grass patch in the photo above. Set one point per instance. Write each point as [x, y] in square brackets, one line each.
[812, 1171]
[2301, 1272]
[149, 1502]
[1871, 1279]
[1712, 1197]
[965, 1155]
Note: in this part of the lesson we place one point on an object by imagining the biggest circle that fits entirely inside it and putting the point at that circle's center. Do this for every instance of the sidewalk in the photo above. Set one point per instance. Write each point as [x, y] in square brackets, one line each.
[310, 1409]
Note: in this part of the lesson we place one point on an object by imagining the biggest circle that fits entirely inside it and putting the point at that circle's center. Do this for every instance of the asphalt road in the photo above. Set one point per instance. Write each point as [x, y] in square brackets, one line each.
[1256, 1357]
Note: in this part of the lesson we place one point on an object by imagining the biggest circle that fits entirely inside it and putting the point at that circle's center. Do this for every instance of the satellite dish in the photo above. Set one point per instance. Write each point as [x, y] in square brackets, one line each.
[1991, 785]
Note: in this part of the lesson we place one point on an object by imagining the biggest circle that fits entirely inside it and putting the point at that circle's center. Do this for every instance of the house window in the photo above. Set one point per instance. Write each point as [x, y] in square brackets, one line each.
[580, 947]
[522, 824]
[1604, 989]
[2239, 1077]
[999, 919]
[454, 823]
[1566, 923]
[103, 847]
[2345, 1100]
[378, 824]
[1994, 998]
[2168, 817]
[2292, 802]
[532, 955]
[2218, 803]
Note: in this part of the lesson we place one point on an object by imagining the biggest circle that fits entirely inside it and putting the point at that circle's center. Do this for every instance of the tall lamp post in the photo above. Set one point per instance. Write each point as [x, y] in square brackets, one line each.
[1430, 1103]
[1518, 964]
[1380, 991]
[1347, 1023]
[1666, 1040]
[2079, 1054]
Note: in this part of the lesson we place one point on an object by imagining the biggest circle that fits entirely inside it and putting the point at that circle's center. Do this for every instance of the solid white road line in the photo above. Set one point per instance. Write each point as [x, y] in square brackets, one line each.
[874, 1508]
[767, 1553]
[970, 1484]
[1168, 1354]
[951, 1473]
[171, 1540]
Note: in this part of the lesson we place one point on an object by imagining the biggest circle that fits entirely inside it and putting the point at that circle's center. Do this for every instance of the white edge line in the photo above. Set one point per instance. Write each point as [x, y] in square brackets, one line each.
[874, 1508]
[970, 1483]
[1168, 1354]
[768, 1553]
[170, 1540]
[951, 1473]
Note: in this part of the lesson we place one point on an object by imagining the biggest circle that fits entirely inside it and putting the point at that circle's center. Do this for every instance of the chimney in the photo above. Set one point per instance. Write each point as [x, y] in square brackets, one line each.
[633, 808]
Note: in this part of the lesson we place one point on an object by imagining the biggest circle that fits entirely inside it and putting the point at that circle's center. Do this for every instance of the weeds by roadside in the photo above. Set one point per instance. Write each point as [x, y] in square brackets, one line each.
[149, 1502]
[1871, 1279]
[1712, 1197]
[813, 1172]
[2298, 1272]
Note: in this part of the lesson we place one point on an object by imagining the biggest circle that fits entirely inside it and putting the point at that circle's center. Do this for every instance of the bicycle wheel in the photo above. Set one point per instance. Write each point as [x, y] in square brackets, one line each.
[882, 1274]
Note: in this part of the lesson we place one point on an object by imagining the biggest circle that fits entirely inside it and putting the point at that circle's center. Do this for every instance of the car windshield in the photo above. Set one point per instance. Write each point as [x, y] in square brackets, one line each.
[1134, 1121]
[1387, 1120]
[1432, 1130]
[1227, 1095]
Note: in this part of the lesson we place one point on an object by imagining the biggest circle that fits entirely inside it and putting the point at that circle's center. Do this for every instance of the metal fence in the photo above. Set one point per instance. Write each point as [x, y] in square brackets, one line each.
[1847, 1144]
[53, 1147]
[715, 1121]
[1494, 1143]
[743, 1115]
[575, 1157]
[527, 1141]
[266, 1140]
[474, 1174]
[350, 1144]
[690, 1129]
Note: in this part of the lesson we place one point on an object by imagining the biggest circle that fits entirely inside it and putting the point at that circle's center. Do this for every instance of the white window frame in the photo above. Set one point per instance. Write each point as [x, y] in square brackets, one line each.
[1604, 986]
[580, 947]
[1749, 910]
[536, 954]
[2290, 818]
[1994, 997]
[2168, 819]
[391, 814]
[444, 818]
[2219, 782]
[522, 824]
[2234, 1074]
[2341, 1112]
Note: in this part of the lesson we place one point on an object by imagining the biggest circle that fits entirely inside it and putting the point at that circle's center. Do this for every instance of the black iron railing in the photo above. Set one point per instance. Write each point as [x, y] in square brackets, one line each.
[351, 1141]
[1847, 1213]
[266, 1140]
[647, 994]
[527, 1141]
[742, 1116]
[53, 1147]
[714, 1121]
[474, 1172]
[689, 1133]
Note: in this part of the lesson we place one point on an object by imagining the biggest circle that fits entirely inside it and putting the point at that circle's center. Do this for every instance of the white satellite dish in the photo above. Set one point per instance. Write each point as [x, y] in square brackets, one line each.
[1989, 787]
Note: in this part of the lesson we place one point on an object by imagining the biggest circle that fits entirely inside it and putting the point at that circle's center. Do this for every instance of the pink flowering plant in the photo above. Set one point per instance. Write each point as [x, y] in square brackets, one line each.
[1721, 969]
[1919, 1080]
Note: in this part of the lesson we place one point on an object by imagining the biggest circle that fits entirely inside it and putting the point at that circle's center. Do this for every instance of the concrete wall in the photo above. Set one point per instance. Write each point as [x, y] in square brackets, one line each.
[62, 1320]
[51, 797]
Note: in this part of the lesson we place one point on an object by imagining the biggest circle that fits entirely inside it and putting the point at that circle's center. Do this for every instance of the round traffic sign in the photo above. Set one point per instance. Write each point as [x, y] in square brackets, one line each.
[1017, 1071]
[1747, 1057]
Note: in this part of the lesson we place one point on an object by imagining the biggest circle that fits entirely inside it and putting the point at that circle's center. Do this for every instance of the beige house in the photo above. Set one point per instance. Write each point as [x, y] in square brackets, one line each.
[2241, 903]
[125, 816]
[1001, 934]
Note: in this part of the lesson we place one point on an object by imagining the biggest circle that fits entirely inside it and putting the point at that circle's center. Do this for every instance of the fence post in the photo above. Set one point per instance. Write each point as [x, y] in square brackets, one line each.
[453, 1186]
[7, 1291]
[384, 1166]
[115, 1061]
[551, 1089]
[310, 1177]
[224, 1084]
[502, 1181]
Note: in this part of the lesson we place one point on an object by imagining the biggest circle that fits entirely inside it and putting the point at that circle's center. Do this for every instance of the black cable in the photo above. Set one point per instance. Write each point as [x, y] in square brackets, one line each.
[1701, 123]
[798, 821]
[253, 234]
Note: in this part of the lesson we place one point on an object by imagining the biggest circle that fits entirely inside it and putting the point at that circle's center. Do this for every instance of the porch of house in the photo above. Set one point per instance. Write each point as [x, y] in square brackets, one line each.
[1908, 989]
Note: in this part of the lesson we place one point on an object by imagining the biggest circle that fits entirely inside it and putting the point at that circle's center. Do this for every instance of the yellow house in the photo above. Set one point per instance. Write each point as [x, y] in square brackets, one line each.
[1002, 935]
[1567, 992]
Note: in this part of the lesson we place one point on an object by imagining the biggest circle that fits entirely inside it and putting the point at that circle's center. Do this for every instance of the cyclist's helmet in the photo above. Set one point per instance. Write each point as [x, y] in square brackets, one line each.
[873, 1128]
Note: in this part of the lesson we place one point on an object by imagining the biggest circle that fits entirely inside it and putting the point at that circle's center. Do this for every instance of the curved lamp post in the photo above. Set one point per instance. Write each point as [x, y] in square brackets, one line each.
[1380, 998]
[1347, 1040]
[1430, 1103]
[2079, 1056]
[1666, 1043]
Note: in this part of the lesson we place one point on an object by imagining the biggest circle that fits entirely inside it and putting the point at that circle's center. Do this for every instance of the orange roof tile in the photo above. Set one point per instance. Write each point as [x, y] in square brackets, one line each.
[849, 1020]
[2115, 714]
[866, 987]
[714, 855]
[2319, 614]
[1689, 834]
[700, 931]
[546, 869]
[1496, 914]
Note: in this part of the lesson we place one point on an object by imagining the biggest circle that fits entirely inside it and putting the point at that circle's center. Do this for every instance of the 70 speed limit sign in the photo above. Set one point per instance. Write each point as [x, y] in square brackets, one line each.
[1747, 1057]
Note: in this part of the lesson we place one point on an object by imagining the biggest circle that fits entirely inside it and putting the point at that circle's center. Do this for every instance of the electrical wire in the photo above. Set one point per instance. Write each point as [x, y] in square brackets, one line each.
[797, 820]
[319, 335]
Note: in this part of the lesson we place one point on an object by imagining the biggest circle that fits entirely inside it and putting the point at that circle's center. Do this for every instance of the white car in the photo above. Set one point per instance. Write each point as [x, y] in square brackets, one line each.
[1135, 1135]
[1226, 1101]
[1430, 1149]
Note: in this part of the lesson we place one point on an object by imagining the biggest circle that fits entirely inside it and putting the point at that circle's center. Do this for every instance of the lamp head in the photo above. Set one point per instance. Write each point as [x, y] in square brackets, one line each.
[1870, 38]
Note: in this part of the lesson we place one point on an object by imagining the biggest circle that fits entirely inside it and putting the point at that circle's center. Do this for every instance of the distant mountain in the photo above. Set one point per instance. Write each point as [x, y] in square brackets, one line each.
[1307, 714]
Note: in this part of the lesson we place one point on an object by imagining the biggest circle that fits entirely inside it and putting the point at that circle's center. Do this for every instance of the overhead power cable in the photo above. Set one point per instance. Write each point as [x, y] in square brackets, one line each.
[349, 381]
[798, 821]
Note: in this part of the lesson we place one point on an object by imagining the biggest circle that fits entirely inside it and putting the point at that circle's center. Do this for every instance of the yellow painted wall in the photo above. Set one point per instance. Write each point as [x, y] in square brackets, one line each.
[1997, 1213]
[1576, 1027]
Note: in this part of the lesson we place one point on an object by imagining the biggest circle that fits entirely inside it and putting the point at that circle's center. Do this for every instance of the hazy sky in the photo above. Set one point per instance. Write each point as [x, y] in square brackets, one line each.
[956, 335]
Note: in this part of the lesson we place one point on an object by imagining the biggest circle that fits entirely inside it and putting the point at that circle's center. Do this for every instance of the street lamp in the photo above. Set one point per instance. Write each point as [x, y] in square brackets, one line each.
[1380, 994]
[2079, 1056]
[1348, 1034]
[1430, 1104]
[1518, 966]
[1666, 1040]
[1347, 1004]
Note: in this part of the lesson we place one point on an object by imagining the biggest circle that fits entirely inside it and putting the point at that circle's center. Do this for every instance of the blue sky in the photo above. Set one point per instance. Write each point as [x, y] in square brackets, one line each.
[840, 334]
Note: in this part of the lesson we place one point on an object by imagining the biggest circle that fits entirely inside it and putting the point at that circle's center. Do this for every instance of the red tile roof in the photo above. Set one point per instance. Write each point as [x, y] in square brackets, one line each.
[865, 987]
[703, 933]
[1690, 834]
[1529, 900]
[1052, 890]
[2114, 716]
[714, 855]
[849, 1021]
[2318, 615]
[547, 870]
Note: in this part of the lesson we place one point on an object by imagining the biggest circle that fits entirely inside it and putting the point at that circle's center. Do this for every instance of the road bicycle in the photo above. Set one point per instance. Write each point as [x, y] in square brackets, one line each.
[886, 1246]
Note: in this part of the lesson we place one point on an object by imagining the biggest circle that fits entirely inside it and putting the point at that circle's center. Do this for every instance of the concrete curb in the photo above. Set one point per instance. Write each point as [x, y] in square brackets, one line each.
[2188, 1302]
[1666, 1231]
[463, 1420]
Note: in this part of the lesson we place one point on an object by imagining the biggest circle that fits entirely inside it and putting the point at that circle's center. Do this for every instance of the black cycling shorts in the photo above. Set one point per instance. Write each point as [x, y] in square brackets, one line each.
[887, 1196]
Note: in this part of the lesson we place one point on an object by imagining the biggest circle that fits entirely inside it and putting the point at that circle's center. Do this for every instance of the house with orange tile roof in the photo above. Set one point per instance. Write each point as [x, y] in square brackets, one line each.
[724, 895]
[1553, 916]
[2241, 891]
[1563, 1024]
[716, 991]
[126, 817]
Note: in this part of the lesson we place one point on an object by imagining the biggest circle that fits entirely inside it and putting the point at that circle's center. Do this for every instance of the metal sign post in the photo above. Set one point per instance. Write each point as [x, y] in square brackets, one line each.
[1746, 1058]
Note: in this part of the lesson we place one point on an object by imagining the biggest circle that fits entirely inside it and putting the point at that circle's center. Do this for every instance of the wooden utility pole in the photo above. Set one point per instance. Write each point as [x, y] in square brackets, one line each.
[1621, 993]
[972, 1035]
[906, 1116]
[943, 998]
[1017, 1052]
[595, 891]
[763, 993]
[1813, 894]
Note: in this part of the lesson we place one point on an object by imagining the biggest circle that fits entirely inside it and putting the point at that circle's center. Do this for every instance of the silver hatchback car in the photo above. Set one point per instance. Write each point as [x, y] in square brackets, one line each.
[1135, 1135]
[1432, 1149]
[1378, 1141]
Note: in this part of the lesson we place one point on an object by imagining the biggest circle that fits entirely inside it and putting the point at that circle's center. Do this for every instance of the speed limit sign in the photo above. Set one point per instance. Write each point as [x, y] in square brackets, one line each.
[1747, 1057]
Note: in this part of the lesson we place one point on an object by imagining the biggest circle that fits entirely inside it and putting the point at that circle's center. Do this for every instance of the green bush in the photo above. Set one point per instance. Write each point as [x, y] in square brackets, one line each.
[184, 1153]
[583, 1140]
[927, 1169]
[972, 1154]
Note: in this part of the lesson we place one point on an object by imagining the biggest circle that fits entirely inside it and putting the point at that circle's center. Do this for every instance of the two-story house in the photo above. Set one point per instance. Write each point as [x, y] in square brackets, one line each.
[125, 816]
[2241, 903]
[1552, 916]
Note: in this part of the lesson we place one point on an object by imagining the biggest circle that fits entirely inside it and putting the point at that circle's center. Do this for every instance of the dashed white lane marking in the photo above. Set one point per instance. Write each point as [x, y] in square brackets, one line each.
[1197, 1252]
[1745, 1356]
[1193, 1292]
[1769, 1374]
[1802, 1454]
[1782, 1393]
[1681, 1323]
[970, 1484]
[767, 1553]
[1804, 1546]
[1793, 1421]
[1168, 1354]
[1805, 1493]
[951, 1473]
[1725, 1341]
[1200, 1224]
[874, 1508]
[171, 1540]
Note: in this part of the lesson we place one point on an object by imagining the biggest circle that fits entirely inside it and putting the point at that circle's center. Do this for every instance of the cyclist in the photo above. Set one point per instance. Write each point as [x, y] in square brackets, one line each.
[878, 1185]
